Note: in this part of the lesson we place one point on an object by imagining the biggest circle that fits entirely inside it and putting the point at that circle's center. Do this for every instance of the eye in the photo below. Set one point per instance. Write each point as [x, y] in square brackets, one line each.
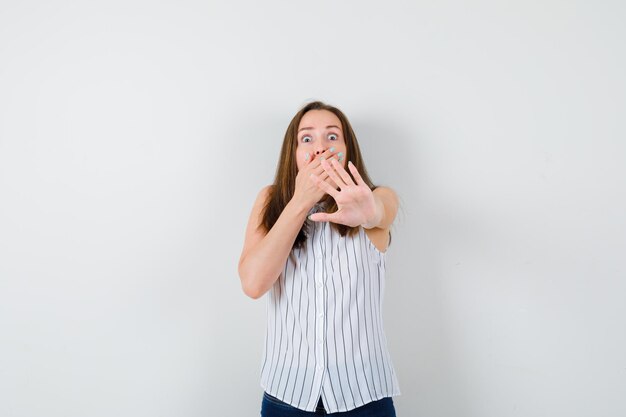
[333, 136]
[306, 139]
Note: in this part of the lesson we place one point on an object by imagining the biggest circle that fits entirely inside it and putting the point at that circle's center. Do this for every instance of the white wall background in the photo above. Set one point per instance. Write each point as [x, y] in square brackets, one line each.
[135, 135]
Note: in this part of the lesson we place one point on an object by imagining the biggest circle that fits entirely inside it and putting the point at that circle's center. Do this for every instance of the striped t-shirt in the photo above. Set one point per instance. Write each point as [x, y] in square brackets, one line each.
[325, 332]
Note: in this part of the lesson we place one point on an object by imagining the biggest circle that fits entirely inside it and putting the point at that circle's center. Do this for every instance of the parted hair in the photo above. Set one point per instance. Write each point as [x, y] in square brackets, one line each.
[283, 188]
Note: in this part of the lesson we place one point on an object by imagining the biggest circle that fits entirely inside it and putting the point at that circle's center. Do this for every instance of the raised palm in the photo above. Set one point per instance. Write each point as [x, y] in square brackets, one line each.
[355, 202]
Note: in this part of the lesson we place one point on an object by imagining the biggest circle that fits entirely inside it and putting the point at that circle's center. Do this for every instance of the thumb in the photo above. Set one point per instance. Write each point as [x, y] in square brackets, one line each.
[321, 217]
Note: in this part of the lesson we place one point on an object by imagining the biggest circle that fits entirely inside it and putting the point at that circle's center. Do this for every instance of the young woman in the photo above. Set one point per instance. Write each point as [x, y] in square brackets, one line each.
[316, 243]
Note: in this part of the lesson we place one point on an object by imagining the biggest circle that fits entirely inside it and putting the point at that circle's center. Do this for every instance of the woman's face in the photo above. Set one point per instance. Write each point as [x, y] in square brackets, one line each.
[319, 130]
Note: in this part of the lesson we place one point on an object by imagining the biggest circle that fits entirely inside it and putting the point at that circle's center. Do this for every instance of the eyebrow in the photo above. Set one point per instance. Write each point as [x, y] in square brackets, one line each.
[327, 127]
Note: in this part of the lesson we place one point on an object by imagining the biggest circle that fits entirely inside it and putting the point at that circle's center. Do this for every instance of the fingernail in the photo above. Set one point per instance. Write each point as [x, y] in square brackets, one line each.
[322, 158]
[340, 154]
[333, 149]
[307, 156]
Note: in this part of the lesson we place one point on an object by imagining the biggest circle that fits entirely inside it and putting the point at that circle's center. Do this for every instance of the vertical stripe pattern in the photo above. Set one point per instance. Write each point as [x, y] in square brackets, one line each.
[325, 334]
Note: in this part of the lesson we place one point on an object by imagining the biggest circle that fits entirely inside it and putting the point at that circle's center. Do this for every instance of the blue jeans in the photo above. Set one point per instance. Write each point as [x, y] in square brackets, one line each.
[273, 407]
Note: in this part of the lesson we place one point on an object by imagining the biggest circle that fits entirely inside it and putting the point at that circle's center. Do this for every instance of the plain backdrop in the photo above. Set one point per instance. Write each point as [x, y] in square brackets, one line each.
[135, 136]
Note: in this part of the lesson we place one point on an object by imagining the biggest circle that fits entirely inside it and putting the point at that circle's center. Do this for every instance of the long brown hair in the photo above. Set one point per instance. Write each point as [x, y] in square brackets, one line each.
[286, 171]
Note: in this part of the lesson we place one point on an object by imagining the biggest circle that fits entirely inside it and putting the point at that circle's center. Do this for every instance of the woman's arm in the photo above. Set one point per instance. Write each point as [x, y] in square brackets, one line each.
[264, 253]
[386, 208]
[380, 232]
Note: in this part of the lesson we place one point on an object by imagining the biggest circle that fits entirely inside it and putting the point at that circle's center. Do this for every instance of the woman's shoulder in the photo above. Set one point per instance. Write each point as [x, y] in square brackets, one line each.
[384, 189]
[265, 192]
[262, 198]
[388, 195]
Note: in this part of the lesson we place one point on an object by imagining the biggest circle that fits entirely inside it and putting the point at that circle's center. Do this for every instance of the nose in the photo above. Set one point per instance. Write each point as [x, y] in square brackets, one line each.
[319, 149]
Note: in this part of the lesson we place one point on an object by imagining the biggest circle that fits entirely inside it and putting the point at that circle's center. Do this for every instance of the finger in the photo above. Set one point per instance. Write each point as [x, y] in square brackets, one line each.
[308, 158]
[342, 172]
[355, 173]
[333, 174]
[318, 170]
[314, 158]
[335, 217]
[317, 164]
[324, 186]
[324, 177]
[331, 182]
[321, 217]
[329, 152]
[326, 154]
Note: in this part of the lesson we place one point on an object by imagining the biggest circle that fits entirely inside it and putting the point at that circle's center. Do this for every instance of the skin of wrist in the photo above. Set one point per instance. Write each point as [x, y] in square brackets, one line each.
[378, 215]
[301, 208]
